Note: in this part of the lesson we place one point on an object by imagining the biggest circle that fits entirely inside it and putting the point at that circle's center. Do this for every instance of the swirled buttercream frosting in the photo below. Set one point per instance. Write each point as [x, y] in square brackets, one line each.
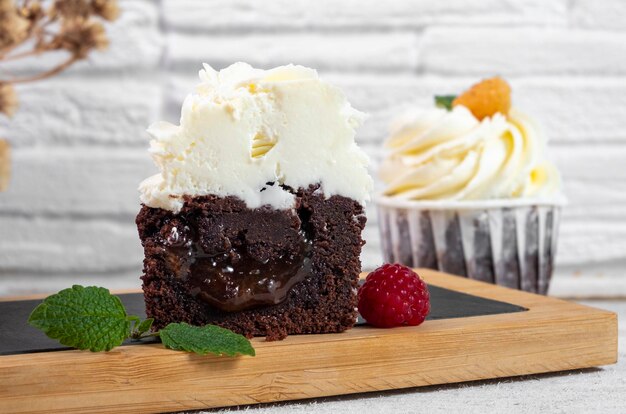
[441, 154]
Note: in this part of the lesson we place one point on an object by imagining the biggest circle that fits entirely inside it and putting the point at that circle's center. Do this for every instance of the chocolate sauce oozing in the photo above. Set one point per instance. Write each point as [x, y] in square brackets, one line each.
[235, 270]
[247, 283]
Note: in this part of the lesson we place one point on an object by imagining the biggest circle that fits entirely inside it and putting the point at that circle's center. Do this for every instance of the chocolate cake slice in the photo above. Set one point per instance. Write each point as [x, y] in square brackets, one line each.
[256, 271]
[254, 223]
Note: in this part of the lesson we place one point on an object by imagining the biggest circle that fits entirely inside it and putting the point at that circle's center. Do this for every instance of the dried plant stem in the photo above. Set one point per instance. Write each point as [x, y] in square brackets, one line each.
[16, 56]
[47, 73]
[5, 51]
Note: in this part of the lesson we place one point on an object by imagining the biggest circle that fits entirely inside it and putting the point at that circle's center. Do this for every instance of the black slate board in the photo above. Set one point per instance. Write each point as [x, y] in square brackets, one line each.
[17, 337]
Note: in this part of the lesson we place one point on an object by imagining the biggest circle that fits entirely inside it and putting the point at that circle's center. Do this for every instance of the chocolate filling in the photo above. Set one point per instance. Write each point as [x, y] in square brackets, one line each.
[233, 269]
[233, 280]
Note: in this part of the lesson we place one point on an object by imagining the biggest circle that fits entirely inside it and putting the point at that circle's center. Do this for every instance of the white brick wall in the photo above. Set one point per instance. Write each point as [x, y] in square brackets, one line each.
[79, 140]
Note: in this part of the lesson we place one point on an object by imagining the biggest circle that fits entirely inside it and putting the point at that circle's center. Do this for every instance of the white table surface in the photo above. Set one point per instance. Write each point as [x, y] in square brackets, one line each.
[596, 390]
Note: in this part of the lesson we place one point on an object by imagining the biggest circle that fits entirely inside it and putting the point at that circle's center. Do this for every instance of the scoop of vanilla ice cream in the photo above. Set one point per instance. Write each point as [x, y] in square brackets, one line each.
[451, 155]
[243, 129]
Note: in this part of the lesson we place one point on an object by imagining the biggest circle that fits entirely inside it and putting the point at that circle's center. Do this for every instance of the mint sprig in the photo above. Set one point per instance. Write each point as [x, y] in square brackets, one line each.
[140, 327]
[444, 101]
[204, 339]
[84, 318]
[94, 319]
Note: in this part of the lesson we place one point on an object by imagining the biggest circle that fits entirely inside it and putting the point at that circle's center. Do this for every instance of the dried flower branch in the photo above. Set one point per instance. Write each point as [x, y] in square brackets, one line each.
[13, 27]
[105, 9]
[32, 27]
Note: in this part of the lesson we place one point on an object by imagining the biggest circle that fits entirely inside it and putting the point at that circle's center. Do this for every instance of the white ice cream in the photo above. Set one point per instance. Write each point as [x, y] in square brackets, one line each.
[451, 155]
[243, 128]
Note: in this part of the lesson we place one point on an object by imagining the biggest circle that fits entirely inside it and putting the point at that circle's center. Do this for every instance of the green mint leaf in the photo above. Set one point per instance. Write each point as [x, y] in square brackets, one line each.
[84, 318]
[205, 339]
[139, 327]
[145, 326]
[444, 101]
[135, 320]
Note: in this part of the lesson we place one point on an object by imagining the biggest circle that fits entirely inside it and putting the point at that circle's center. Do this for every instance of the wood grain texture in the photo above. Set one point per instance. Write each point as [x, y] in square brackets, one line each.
[553, 335]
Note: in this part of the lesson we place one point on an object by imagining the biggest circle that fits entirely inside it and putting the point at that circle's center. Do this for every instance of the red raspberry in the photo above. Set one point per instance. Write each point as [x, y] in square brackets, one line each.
[394, 295]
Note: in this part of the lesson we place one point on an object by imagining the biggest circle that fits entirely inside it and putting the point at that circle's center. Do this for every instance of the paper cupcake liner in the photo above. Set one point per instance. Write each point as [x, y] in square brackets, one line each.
[512, 244]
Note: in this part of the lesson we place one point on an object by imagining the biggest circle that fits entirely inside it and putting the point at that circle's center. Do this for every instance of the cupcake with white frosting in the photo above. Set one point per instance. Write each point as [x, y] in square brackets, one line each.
[469, 190]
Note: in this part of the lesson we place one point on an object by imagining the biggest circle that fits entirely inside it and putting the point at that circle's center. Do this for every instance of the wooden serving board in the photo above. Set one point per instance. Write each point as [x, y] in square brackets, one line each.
[547, 335]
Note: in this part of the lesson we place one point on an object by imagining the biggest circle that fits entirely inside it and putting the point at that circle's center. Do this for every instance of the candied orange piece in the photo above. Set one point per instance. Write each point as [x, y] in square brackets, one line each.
[486, 98]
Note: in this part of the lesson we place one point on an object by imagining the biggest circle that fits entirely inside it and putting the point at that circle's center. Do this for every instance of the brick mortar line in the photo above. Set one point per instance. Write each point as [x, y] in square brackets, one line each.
[435, 76]
[141, 148]
[79, 217]
[16, 273]
[430, 75]
[122, 73]
[561, 142]
[390, 29]
[181, 67]
[376, 28]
